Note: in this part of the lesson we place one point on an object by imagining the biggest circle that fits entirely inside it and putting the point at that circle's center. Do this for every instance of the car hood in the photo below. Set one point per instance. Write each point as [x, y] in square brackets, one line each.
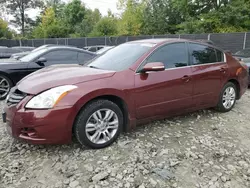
[57, 75]
[9, 61]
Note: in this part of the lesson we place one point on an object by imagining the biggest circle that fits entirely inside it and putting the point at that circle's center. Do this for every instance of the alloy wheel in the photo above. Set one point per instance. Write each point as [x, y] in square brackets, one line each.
[102, 126]
[4, 87]
[229, 97]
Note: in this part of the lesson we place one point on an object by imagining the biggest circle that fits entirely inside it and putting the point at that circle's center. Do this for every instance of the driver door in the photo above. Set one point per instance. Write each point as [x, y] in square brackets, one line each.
[165, 92]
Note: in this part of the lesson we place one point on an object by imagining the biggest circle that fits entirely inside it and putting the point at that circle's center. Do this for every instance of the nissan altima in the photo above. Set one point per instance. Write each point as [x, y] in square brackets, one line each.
[130, 84]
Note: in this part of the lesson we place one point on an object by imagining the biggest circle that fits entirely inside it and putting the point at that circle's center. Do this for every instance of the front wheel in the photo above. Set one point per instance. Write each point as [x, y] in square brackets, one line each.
[227, 98]
[5, 86]
[99, 124]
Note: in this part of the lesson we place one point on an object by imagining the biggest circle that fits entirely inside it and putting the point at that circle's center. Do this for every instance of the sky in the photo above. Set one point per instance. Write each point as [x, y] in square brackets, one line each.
[102, 5]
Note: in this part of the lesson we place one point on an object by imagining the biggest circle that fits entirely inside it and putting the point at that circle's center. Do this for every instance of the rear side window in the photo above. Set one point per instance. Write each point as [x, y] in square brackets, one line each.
[84, 57]
[172, 55]
[201, 54]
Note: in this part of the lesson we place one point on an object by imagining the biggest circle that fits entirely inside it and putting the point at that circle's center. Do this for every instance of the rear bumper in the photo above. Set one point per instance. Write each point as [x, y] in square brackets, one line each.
[244, 81]
[53, 126]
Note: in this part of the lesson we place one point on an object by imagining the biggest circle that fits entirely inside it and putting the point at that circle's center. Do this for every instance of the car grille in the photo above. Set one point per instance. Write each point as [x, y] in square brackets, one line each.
[15, 96]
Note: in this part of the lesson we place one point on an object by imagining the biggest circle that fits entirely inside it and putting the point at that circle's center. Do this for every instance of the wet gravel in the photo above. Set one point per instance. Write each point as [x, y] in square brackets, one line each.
[204, 149]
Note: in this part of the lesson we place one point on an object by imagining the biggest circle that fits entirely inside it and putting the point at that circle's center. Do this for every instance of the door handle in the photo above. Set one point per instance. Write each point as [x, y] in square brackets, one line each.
[223, 70]
[186, 78]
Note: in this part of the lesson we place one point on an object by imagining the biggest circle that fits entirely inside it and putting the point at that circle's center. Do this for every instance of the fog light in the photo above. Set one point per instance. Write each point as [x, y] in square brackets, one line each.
[30, 132]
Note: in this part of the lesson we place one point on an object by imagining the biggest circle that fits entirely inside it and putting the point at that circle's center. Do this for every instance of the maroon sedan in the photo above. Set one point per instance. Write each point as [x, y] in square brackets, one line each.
[130, 84]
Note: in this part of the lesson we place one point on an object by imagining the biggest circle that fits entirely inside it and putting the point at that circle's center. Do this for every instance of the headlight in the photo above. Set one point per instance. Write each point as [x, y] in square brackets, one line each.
[49, 98]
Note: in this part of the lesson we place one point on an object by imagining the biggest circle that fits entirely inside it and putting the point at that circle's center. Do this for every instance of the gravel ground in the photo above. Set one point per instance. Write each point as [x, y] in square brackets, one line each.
[202, 149]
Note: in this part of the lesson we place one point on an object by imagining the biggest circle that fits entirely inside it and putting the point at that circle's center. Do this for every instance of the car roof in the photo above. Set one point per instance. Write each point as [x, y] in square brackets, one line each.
[22, 47]
[165, 40]
[94, 46]
[158, 41]
[69, 48]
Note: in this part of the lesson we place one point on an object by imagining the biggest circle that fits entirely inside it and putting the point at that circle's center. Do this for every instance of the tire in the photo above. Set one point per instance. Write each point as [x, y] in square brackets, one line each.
[221, 106]
[3, 85]
[88, 124]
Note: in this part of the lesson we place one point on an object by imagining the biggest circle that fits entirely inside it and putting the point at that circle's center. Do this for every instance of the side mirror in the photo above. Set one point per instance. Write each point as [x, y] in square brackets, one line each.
[41, 61]
[156, 66]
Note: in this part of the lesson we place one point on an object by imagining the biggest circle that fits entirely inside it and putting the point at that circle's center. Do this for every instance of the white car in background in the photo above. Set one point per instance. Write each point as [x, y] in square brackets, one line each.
[104, 49]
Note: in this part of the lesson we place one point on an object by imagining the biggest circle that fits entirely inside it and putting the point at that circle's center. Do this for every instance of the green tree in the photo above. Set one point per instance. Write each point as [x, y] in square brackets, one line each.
[74, 13]
[87, 25]
[162, 16]
[132, 17]
[107, 26]
[18, 9]
[57, 5]
[223, 16]
[4, 30]
[50, 27]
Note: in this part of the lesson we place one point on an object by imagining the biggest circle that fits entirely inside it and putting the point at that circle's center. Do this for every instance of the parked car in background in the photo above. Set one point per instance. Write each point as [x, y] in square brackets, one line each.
[104, 49]
[6, 52]
[93, 48]
[244, 55]
[132, 83]
[12, 70]
[206, 41]
[22, 54]
[24, 48]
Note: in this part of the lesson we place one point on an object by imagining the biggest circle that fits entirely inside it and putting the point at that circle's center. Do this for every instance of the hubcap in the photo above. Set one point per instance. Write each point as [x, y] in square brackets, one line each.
[229, 97]
[102, 126]
[4, 87]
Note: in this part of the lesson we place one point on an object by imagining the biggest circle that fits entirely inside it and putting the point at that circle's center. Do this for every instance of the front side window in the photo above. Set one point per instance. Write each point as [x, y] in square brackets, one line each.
[201, 54]
[172, 55]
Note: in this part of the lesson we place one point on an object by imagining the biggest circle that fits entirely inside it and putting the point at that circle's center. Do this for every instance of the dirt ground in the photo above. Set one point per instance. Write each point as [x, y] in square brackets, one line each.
[202, 149]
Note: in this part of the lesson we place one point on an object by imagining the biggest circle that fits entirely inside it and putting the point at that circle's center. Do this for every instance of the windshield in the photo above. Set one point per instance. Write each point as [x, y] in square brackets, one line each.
[121, 57]
[39, 48]
[33, 55]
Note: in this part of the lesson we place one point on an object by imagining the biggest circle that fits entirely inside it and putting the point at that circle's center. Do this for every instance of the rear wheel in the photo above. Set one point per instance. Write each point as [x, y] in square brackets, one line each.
[227, 98]
[99, 124]
[5, 86]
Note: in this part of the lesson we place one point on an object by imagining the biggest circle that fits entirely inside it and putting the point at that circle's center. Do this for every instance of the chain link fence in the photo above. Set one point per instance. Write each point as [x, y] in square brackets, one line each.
[227, 41]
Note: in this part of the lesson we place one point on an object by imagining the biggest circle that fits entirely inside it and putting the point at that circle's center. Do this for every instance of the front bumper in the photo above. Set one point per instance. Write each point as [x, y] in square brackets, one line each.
[52, 126]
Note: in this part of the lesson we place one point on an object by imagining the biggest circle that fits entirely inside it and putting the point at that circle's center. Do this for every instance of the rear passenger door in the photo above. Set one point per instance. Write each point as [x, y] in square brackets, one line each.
[209, 71]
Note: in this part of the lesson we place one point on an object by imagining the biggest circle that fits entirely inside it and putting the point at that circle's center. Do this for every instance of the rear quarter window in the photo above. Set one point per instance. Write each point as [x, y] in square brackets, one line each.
[202, 54]
[84, 57]
[220, 56]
